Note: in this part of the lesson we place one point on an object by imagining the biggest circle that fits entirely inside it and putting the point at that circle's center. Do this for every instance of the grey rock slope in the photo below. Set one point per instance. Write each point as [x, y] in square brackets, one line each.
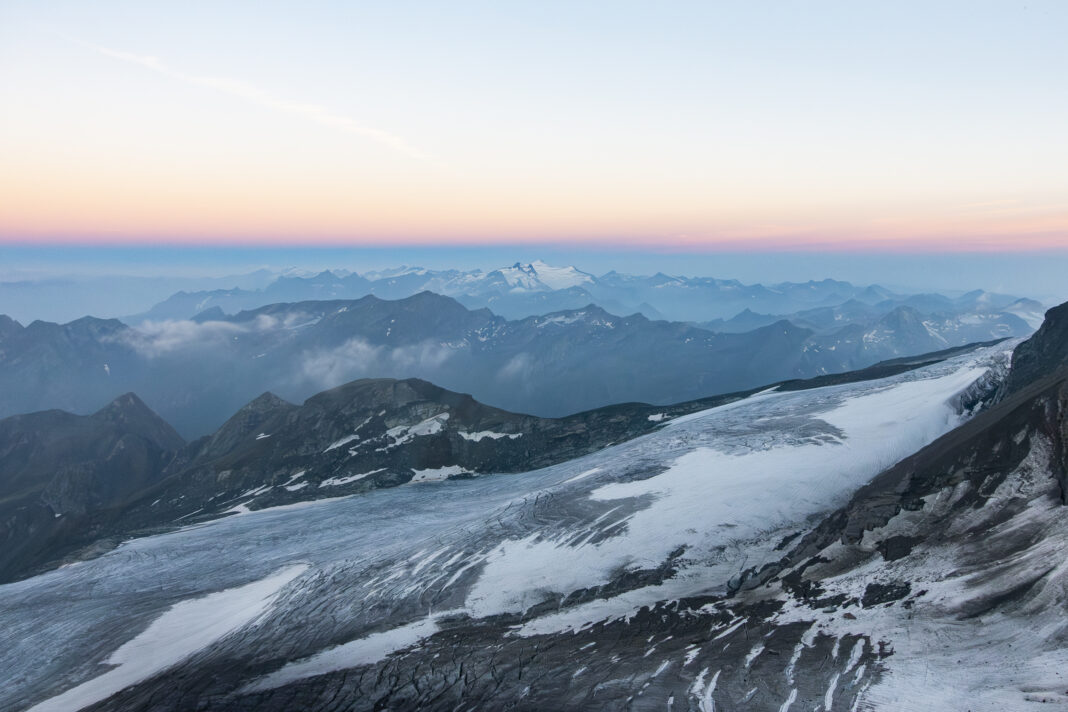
[196, 373]
[1042, 355]
[58, 471]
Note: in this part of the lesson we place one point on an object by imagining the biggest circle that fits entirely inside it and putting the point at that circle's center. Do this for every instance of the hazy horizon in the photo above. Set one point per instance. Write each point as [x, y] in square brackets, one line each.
[1029, 273]
[61, 284]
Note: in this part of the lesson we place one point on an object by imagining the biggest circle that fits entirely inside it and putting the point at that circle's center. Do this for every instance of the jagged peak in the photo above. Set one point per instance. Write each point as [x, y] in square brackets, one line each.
[248, 419]
[9, 325]
[131, 413]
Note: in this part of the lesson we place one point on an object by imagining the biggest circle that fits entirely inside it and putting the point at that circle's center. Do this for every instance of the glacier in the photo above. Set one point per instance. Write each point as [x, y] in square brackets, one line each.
[346, 582]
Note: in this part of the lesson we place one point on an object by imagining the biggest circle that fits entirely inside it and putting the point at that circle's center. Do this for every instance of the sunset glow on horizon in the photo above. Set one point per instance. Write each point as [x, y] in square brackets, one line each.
[764, 126]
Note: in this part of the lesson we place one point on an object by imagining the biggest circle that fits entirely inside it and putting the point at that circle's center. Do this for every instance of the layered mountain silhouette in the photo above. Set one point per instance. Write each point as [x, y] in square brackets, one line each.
[537, 288]
[195, 373]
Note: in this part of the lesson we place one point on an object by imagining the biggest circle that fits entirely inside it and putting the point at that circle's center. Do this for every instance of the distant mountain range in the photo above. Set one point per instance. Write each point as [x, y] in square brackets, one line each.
[970, 310]
[28, 296]
[196, 372]
[537, 288]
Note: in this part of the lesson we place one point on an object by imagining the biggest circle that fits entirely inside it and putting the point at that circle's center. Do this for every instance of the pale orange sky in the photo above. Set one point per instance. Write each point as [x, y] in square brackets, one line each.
[921, 126]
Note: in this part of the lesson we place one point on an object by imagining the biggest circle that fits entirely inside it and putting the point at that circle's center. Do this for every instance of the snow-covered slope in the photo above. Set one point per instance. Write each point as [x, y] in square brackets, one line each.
[609, 581]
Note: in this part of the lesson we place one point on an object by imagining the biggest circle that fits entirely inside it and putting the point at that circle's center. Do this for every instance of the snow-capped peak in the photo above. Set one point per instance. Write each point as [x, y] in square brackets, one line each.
[539, 276]
[394, 272]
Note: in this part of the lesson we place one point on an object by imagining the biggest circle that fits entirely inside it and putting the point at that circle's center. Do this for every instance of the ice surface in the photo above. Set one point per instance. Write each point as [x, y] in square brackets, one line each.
[582, 475]
[183, 630]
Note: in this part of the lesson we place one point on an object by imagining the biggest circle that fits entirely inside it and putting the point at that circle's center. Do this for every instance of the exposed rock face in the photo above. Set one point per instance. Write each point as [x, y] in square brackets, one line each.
[1042, 356]
[57, 471]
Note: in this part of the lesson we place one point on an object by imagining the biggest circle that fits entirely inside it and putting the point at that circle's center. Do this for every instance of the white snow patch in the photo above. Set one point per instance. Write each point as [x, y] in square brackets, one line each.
[703, 692]
[343, 441]
[482, 434]
[262, 436]
[582, 475]
[754, 653]
[437, 474]
[364, 651]
[337, 481]
[243, 510]
[561, 319]
[691, 654]
[403, 433]
[430, 426]
[187, 627]
[828, 697]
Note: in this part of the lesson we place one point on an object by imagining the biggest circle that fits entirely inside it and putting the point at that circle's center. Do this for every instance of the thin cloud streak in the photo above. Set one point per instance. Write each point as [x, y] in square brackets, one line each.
[313, 112]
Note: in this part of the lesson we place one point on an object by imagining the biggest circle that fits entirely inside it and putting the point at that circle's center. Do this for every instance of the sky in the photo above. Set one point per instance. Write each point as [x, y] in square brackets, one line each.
[685, 127]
